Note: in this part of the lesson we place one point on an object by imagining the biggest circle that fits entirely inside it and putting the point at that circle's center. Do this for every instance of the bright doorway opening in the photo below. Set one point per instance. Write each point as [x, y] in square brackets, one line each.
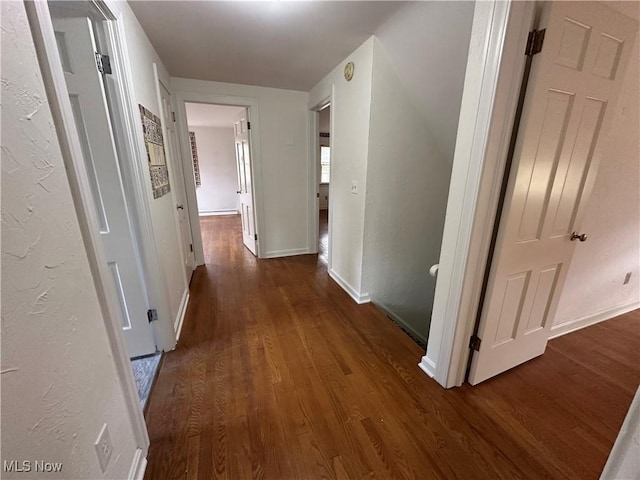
[219, 140]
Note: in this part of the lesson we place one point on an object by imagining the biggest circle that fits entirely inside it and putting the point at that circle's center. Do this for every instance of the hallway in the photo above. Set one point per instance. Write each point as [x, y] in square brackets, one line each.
[279, 374]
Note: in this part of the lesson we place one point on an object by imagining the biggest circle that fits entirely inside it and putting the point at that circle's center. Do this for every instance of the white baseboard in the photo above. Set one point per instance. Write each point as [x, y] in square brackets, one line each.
[427, 366]
[208, 213]
[358, 297]
[387, 311]
[286, 253]
[588, 320]
[138, 466]
[181, 313]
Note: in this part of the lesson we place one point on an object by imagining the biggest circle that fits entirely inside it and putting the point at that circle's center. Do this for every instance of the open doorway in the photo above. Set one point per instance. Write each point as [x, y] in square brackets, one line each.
[324, 140]
[222, 169]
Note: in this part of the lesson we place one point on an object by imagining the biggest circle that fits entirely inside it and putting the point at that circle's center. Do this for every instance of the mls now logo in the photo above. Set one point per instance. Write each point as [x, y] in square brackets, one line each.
[29, 466]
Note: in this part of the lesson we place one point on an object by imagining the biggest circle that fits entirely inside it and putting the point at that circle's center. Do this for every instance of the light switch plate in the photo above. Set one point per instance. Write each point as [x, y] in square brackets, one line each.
[104, 448]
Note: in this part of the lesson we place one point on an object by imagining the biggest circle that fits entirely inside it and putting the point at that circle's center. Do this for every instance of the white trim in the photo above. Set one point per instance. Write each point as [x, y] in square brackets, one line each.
[182, 310]
[209, 213]
[287, 253]
[358, 297]
[312, 176]
[486, 117]
[313, 230]
[427, 366]
[387, 311]
[592, 319]
[57, 96]
[138, 466]
[256, 161]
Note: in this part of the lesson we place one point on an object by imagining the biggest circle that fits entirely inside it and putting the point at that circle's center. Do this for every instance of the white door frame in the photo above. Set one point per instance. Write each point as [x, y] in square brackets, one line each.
[183, 97]
[313, 204]
[128, 128]
[492, 86]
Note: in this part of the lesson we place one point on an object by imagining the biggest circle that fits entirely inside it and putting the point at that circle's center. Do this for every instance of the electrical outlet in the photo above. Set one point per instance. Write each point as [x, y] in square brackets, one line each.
[354, 187]
[104, 448]
[627, 277]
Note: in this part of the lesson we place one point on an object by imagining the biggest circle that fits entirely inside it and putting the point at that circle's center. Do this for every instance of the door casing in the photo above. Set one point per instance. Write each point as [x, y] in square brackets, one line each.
[251, 104]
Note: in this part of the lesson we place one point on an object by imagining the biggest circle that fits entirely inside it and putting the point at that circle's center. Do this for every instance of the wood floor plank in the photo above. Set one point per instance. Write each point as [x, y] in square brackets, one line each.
[280, 375]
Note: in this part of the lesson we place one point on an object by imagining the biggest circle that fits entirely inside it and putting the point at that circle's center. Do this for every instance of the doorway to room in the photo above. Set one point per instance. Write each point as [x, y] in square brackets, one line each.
[219, 141]
[324, 177]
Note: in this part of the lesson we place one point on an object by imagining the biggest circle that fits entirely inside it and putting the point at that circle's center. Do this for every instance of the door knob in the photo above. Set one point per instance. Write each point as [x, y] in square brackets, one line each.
[576, 236]
[180, 207]
[238, 191]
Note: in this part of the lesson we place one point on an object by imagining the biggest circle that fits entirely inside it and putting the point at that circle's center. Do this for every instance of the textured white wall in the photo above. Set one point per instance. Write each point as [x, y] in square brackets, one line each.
[427, 43]
[218, 170]
[59, 382]
[407, 185]
[284, 124]
[594, 283]
[142, 56]
[349, 149]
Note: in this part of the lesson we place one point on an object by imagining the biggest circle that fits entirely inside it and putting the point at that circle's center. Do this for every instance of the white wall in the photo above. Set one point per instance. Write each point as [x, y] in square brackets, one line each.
[594, 284]
[59, 381]
[407, 185]
[163, 213]
[284, 125]
[427, 43]
[350, 109]
[218, 170]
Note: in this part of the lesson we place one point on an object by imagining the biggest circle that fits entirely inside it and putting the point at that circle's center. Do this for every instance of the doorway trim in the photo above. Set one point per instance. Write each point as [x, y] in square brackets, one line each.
[55, 85]
[486, 120]
[312, 175]
[183, 97]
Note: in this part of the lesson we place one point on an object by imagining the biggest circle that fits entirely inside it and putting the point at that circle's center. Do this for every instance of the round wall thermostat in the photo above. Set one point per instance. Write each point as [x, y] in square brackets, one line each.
[348, 71]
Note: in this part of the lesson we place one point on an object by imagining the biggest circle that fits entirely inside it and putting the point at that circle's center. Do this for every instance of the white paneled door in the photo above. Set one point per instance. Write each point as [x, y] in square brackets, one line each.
[243, 159]
[77, 47]
[570, 99]
[179, 188]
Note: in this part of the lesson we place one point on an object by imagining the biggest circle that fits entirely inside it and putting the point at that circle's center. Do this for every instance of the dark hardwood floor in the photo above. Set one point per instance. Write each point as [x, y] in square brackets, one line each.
[280, 375]
[323, 233]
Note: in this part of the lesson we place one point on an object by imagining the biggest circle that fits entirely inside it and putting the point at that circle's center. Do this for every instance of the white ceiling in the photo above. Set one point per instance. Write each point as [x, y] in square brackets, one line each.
[281, 44]
[206, 115]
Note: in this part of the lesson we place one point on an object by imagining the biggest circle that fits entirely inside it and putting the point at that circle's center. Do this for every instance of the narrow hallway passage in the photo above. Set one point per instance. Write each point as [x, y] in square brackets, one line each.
[279, 374]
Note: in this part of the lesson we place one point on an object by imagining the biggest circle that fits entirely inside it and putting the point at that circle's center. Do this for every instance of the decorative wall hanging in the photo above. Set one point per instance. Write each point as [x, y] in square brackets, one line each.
[348, 71]
[194, 158]
[154, 144]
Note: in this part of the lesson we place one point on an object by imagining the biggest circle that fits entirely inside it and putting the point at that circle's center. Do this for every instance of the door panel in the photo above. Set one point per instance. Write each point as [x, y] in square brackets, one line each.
[573, 82]
[77, 45]
[179, 191]
[245, 192]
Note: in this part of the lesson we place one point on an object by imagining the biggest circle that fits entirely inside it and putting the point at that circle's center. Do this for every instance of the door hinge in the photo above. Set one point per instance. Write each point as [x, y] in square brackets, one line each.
[248, 125]
[474, 343]
[104, 64]
[534, 42]
[255, 237]
[191, 247]
[173, 117]
[152, 315]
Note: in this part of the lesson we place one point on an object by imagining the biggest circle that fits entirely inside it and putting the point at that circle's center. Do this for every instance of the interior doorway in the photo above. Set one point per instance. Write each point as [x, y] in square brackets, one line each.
[221, 162]
[324, 177]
